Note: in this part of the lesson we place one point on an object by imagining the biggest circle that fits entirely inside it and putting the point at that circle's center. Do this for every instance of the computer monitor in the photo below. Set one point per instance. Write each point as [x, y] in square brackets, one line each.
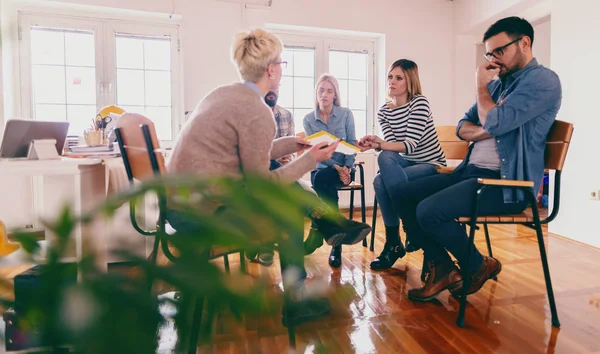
[18, 134]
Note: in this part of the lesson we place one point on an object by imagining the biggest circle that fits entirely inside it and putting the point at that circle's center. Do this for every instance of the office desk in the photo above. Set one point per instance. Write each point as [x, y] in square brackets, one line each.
[80, 183]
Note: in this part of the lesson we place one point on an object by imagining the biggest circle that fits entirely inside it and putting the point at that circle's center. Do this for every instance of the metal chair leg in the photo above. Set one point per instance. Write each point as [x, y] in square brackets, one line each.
[373, 224]
[363, 211]
[226, 261]
[466, 278]
[285, 313]
[196, 324]
[153, 258]
[489, 244]
[242, 262]
[466, 268]
[540, 237]
[351, 204]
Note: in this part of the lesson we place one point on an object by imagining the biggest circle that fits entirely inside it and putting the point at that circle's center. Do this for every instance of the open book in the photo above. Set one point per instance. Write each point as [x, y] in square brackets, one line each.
[343, 147]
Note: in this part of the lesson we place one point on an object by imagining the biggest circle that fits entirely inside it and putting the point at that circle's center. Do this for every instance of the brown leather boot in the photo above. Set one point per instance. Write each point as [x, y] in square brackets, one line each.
[440, 278]
[490, 268]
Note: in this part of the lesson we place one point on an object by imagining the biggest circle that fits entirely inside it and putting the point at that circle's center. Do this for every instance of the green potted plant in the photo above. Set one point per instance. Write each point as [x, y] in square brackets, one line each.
[112, 312]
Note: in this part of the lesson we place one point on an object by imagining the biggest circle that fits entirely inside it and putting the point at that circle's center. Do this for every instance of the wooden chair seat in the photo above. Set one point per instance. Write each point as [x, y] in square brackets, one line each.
[221, 251]
[514, 218]
[352, 185]
[445, 169]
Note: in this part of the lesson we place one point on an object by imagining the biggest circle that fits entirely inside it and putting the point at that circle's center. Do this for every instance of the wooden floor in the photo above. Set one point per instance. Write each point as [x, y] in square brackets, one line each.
[371, 313]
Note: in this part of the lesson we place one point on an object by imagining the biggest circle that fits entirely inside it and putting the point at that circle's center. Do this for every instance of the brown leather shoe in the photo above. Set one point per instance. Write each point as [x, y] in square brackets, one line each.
[490, 268]
[440, 278]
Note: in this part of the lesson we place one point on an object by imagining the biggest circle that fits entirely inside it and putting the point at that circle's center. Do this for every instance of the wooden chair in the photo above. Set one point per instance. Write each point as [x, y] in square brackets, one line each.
[454, 149]
[354, 186]
[557, 145]
[143, 159]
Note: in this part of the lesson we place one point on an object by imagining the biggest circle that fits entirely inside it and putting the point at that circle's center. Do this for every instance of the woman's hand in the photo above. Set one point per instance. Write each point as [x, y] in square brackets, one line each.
[302, 144]
[344, 173]
[369, 142]
[322, 152]
[365, 143]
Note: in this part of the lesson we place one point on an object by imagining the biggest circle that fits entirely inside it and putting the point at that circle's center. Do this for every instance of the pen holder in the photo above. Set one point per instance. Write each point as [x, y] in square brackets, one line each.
[93, 137]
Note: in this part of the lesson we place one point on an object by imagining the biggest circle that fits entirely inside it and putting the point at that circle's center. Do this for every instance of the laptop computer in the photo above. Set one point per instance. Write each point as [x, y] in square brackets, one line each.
[18, 134]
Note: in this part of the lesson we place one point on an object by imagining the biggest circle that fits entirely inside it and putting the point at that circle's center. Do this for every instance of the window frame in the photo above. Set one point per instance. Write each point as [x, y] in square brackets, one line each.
[323, 43]
[105, 57]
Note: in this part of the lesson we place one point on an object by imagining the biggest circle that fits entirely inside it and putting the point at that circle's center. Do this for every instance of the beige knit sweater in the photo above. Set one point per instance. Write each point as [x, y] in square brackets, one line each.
[231, 132]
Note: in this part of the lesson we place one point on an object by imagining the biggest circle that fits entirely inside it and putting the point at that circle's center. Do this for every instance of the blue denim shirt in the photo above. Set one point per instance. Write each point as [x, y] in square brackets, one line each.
[340, 124]
[527, 103]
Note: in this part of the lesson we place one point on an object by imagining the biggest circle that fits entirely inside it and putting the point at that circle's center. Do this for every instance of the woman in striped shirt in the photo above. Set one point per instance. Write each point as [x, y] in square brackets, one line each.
[411, 150]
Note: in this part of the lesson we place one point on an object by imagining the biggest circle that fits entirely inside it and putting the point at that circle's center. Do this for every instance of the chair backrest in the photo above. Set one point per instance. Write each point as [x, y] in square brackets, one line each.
[453, 147]
[557, 144]
[134, 146]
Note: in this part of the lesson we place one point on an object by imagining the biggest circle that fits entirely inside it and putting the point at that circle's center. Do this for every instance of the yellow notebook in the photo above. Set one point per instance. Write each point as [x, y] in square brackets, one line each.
[343, 147]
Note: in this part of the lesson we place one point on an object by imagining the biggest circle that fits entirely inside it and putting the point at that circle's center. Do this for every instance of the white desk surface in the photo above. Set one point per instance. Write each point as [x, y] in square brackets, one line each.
[62, 166]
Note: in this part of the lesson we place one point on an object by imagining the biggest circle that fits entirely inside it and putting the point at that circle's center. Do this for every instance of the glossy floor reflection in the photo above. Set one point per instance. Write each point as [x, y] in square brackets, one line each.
[371, 313]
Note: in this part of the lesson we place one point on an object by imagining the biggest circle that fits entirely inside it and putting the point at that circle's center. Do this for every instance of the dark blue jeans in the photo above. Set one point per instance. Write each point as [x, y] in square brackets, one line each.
[394, 171]
[325, 182]
[430, 206]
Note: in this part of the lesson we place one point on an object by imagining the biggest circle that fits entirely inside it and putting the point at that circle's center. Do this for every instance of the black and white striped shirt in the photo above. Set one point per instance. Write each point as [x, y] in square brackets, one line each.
[412, 124]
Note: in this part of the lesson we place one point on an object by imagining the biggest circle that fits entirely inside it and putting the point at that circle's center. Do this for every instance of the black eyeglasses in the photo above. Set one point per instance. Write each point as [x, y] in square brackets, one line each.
[283, 64]
[499, 52]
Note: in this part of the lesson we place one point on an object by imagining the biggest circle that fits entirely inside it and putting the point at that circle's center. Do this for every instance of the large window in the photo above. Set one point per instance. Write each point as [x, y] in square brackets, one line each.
[144, 79]
[72, 68]
[350, 61]
[352, 72]
[296, 92]
[63, 74]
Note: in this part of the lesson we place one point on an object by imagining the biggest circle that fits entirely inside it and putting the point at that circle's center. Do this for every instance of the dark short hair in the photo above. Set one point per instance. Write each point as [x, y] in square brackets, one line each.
[513, 26]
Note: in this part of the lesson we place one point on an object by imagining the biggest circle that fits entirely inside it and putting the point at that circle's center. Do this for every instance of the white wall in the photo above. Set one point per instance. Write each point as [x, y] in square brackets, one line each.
[575, 29]
[542, 42]
[412, 29]
[473, 16]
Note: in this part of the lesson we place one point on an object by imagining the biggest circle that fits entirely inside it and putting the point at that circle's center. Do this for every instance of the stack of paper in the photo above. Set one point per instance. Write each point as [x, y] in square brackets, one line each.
[343, 147]
[98, 151]
[87, 149]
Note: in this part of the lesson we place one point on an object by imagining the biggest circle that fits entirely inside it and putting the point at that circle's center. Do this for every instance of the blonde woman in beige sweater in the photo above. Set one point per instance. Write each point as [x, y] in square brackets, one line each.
[231, 132]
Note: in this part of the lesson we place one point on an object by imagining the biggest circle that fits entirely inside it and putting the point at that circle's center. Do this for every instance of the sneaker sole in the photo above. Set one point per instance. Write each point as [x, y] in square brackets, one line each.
[341, 238]
[336, 240]
[359, 238]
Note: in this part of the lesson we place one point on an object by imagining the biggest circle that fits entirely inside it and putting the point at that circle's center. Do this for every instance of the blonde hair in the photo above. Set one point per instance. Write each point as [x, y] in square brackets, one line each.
[253, 51]
[336, 87]
[411, 74]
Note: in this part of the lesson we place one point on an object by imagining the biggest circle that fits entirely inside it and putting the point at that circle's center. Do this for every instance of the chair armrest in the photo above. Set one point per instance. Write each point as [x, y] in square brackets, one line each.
[445, 169]
[504, 182]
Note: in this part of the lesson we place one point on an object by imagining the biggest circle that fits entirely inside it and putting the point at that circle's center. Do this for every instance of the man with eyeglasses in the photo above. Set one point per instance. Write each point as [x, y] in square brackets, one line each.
[517, 102]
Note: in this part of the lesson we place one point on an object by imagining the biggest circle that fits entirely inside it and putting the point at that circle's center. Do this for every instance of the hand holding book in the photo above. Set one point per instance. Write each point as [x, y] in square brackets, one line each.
[342, 147]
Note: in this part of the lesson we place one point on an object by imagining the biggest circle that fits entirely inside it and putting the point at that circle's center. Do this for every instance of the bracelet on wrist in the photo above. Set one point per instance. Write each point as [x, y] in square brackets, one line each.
[378, 148]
